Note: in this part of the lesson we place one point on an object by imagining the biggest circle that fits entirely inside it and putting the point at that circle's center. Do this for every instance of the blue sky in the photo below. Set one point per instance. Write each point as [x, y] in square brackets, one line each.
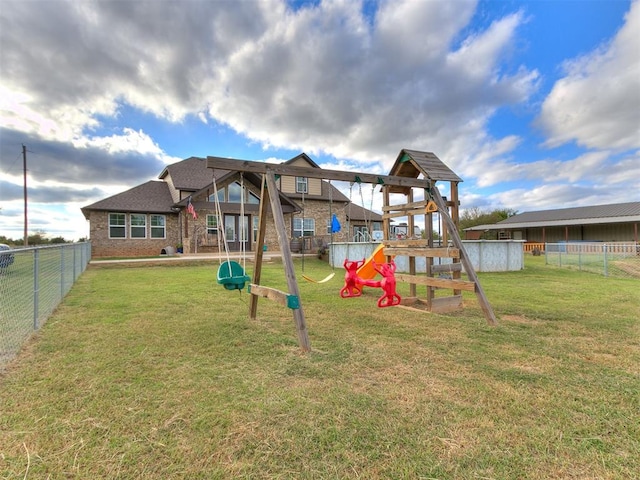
[535, 104]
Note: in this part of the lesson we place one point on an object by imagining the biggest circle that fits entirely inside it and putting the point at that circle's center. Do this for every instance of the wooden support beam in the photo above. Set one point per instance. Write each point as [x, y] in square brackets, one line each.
[422, 204]
[411, 229]
[420, 211]
[310, 172]
[437, 282]
[386, 224]
[424, 252]
[407, 242]
[464, 258]
[262, 228]
[446, 268]
[278, 296]
[287, 260]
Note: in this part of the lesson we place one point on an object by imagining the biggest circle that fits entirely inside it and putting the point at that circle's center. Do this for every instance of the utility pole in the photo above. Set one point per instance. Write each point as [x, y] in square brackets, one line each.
[24, 171]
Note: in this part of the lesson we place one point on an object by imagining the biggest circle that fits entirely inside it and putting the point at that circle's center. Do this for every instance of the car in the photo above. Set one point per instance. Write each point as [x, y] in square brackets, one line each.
[6, 256]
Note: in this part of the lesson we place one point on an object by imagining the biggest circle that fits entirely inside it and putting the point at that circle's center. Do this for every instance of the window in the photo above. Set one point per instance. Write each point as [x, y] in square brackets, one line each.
[230, 228]
[256, 222]
[221, 195]
[244, 229]
[138, 223]
[309, 229]
[302, 184]
[252, 198]
[158, 226]
[212, 224]
[235, 192]
[360, 233]
[117, 228]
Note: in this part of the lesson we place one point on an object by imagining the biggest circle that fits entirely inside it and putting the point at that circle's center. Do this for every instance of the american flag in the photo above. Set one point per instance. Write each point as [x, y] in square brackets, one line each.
[191, 210]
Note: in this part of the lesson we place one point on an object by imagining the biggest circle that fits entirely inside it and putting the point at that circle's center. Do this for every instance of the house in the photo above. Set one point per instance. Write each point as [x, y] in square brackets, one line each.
[155, 216]
[599, 223]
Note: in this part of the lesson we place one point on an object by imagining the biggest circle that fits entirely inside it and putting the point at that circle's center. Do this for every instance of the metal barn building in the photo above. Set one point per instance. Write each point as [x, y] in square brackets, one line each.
[599, 223]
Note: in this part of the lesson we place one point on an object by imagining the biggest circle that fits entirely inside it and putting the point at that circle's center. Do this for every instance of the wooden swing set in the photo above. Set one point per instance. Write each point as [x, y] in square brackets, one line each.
[412, 169]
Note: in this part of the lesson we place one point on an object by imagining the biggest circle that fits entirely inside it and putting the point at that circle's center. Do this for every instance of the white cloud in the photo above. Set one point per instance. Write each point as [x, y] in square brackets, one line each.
[322, 79]
[130, 141]
[597, 103]
[326, 81]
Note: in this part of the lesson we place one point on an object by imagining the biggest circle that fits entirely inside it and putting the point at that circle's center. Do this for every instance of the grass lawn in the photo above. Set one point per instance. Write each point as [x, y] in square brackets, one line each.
[157, 372]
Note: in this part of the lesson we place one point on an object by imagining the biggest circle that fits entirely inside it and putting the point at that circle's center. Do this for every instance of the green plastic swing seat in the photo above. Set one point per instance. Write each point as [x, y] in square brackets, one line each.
[231, 275]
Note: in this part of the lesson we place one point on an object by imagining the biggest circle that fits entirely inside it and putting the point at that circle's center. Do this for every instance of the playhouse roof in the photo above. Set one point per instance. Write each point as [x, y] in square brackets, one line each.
[413, 163]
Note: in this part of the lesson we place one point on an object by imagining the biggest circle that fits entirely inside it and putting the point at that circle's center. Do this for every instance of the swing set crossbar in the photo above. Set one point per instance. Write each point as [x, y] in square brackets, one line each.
[294, 171]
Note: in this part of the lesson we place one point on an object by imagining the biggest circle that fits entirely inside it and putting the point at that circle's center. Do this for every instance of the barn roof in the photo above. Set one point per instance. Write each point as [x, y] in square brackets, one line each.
[592, 215]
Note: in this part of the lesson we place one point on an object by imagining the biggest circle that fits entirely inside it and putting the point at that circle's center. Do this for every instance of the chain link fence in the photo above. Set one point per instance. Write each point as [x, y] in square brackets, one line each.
[608, 259]
[33, 281]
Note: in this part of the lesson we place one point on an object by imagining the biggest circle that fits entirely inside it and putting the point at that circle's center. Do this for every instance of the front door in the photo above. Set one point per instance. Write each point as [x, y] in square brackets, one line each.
[237, 232]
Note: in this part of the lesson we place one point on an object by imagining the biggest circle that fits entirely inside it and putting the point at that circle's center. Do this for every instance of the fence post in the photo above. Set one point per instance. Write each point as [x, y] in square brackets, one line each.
[546, 254]
[580, 257]
[560, 255]
[36, 286]
[62, 247]
[605, 260]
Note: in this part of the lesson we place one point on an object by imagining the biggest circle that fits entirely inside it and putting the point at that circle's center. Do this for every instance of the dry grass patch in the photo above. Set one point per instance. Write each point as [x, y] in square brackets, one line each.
[154, 372]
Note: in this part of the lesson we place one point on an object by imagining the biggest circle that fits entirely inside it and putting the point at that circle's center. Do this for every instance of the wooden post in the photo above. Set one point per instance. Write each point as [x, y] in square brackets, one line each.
[386, 224]
[428, 226]
[412, 260]
[287, 260]
[464, 258]
[257, 265]
[455, 217]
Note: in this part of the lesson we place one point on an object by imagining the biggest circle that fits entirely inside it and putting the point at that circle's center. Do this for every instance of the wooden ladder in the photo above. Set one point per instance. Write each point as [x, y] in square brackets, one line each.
[455, 255]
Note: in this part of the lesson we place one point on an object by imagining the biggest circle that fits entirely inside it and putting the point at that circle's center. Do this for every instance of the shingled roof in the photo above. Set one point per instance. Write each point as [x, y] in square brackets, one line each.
[413, 163]
[151, 197]
[356, 212]
[191, 174]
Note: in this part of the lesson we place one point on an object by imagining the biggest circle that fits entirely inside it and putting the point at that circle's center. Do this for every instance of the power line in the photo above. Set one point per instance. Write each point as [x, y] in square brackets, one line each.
[14, 162]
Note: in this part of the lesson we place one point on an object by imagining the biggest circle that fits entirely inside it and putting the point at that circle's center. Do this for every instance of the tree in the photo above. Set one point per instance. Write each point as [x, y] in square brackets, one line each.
[475, 216]
[57, 240]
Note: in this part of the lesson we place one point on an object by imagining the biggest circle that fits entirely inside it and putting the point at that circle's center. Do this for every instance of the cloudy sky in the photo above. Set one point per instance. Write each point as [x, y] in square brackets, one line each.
[535, 104]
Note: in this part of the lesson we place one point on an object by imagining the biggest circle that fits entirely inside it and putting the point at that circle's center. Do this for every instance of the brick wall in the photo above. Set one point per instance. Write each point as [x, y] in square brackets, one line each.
[184, 227]
[103, 246]
[319, 211]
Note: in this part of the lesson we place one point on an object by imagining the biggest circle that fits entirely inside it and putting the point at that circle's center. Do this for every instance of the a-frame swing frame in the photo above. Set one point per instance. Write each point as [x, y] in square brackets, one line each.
[270, 194]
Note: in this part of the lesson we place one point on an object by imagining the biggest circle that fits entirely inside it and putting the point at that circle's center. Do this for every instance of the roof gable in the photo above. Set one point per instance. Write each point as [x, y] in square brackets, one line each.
[298, 161]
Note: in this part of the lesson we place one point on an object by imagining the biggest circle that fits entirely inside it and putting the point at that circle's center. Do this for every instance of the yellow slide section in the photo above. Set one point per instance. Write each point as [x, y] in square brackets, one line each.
[366, 271]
